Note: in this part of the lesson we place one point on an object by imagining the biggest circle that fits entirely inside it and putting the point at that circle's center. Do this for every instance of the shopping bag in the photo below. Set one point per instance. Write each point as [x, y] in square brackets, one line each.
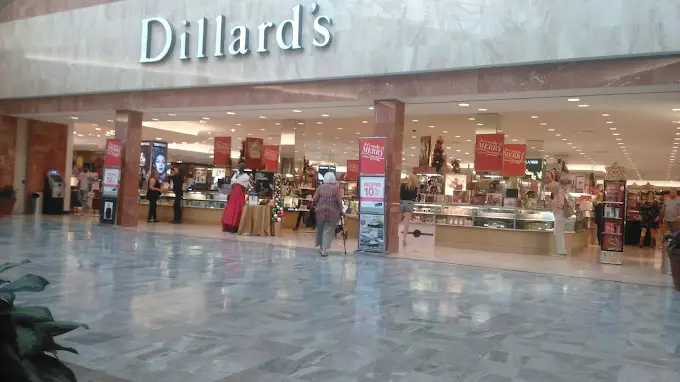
[310, 221]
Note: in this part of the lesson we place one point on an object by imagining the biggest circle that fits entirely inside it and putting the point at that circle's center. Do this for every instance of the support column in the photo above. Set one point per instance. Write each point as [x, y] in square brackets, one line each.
[68, 170]
[46, 152]
[20, 165]
[488, 123]
[128, 126]
[8, 132]
[292, 149]
[388, 121]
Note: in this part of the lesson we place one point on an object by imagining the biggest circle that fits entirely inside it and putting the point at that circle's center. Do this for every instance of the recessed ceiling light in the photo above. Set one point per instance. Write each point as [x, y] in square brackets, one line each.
[325, 115]
[468, 140]
[569, 143]
[415, 120]
[584, 105]
[445, 131]
[339, 128]
[605, 115]
[364, 121]
[262, 129]
[610, 122]
[534, 117]
[544, 124]
[358, 133]
[97, 128]
[371, 108]
[616, 134]
[206, 118]
[299, 123]
[233, 130]
[472, 119]
[158, 139]
[619, 139]
[481, 109]
[551, 129]
[457, 136]
[74, 118]
[432, 126]
[514, 140]
[564, 139]
[558, 135]
[463, 104]
[319, 123]
[620, 143]
[155, 119]
[480, 124]
[573, 99]
[467, 153]
[297, 111]
[109, 120]
[263, 117]
[676, 109]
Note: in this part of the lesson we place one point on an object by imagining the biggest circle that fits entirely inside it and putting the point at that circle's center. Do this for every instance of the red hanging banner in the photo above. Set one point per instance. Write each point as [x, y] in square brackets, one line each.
[489, 152]
[222, 152]
[514, 160]
[253, 153]
[114, 149]
[271, 157]
[352, 170]
[372, 156]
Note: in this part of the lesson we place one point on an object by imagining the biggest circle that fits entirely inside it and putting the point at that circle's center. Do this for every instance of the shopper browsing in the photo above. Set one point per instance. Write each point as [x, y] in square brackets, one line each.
[557, 200]
[153, 192]
[328, 210]
[177, 182]
[670, 211]
[231, 217]
[408, 195]
[84, 180]
[649, 216]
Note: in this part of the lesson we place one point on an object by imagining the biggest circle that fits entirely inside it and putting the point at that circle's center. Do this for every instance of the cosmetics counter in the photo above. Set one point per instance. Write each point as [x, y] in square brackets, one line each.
[501, 229]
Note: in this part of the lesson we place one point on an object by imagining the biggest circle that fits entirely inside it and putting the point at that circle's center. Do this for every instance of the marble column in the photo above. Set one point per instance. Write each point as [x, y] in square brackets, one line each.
[8, 132]
[46, 152]
[128, 126]
[488, 123]
[20, 164]
[292, 148]
[388, 121]
[68, 169]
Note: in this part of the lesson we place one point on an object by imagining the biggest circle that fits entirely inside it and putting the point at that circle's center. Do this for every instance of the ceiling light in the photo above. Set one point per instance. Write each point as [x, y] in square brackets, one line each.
[457, 136]
[233, 130]
[457, 151]
[80, 135]
[480, 124]
[319, 123]
[109, 120]
[74, 118]
[97, 128]
[184, 143]
[583, 105]
[544, 124]
[468, 140]
[605, 115]
[467, 153]
[619, 139]
[158, 139]
[558, 135]
[463, 104]
[206, 118]
[551, 129]
[472, 119]
[431, 126]
[447, 147]
[534, 117]
[339, 128]
[573, 99]
[612, 128]
[370, 108]
[297, 111]
[514, 140]
[358, 133]
[610, 122]
[445, 131]
[569, 143]
[676, 109]
[364, 121]
[616, 134]
[250, 135]
[481, 109]
[231, 113]
[325, 115]
[564, 139]
[415, 120]
[74, 133]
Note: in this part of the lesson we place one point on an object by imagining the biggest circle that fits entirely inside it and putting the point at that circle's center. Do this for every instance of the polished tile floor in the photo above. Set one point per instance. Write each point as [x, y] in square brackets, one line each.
[178, 308]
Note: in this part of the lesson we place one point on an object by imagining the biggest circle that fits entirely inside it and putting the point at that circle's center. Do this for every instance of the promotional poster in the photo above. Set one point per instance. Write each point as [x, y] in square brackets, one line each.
[159, 160]
[253, 153]
[271, 157]
[222, 152]
[372, 156]
[514, 159]
[144, 163]
[489, 152]
[425, 151]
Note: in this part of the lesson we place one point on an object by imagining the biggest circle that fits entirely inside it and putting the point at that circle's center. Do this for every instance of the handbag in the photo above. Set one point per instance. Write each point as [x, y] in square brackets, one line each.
[310, 221]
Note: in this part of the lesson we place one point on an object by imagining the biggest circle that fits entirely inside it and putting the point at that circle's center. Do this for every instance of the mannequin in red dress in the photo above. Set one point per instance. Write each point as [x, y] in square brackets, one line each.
[231, 216]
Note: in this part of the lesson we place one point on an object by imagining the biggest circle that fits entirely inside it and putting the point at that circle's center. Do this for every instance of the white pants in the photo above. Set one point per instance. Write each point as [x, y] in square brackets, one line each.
[559, 233]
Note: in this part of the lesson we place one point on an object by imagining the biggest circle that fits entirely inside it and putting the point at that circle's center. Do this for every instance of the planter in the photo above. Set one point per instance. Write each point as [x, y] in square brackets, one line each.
[6, 206]
[675, 271]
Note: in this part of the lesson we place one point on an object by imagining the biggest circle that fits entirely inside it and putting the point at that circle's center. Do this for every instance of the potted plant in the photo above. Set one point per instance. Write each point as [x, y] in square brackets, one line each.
[8, 197]
[27, 346]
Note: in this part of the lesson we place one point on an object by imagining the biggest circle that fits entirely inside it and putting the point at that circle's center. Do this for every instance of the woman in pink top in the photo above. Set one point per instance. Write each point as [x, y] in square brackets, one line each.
[557, 203]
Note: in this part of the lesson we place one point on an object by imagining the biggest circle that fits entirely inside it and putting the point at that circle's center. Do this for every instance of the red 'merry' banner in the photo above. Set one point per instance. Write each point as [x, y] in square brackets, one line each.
[352, 170]
[372, 156]
[489, 152]
[514, 160]
[222, 152]
[114, 149]
[271, 158]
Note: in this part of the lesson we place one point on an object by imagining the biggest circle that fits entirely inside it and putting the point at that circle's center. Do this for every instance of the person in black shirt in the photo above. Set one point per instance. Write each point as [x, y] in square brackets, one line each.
[408, 195]
[177, 181]
[649, 215]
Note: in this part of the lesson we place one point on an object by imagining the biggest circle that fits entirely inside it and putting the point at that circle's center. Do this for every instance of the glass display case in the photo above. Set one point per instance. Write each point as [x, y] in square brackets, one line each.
[191, 199]
[493, 217]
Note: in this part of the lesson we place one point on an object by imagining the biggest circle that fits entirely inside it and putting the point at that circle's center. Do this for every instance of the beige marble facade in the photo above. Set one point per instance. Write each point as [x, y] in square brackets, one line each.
[97, 48]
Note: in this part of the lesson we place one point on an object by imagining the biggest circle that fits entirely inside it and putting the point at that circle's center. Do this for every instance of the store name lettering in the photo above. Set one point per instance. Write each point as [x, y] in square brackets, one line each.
[288, 36]
[374, 152]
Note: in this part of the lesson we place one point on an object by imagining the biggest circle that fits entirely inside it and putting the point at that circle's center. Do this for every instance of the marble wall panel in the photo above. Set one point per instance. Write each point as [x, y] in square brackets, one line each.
[8, 135]
[46, 151]
[97, 48]
[21, 9]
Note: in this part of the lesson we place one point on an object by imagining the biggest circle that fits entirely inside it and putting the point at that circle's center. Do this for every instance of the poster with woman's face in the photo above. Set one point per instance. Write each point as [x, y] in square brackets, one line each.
[144, 163]
[159, 160]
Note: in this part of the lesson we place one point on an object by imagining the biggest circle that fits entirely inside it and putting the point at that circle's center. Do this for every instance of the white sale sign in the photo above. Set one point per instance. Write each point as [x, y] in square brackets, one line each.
[372, 194]
[110, 182]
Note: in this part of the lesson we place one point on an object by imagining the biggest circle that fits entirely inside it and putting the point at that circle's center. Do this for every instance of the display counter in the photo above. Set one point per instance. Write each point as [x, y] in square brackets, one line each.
[500, 229]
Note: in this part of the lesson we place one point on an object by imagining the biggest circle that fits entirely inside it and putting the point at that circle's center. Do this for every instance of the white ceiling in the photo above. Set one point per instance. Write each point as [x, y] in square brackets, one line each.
[646, 124]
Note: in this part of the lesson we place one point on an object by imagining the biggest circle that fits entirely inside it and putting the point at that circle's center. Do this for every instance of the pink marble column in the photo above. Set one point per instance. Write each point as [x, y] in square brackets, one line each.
[128, 125]
[46, 151]
[8, 134]
[388, 121]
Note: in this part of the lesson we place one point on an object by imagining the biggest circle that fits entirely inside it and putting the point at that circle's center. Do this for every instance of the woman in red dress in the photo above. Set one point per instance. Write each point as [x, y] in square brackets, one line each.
[237, 199]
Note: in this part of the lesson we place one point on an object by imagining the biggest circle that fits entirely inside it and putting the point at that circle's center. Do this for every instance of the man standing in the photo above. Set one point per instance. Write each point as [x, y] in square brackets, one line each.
[177, 182]
[84, 179]
[670, 211]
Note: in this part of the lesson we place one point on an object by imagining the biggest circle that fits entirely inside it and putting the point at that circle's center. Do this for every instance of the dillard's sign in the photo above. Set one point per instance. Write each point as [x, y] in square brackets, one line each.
[240, 44]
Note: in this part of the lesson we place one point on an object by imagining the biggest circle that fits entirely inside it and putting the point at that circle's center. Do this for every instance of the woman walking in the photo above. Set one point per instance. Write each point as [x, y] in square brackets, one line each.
[153, 192]
[328, 207]
[231, 217]
[407, 196]
[557, 201]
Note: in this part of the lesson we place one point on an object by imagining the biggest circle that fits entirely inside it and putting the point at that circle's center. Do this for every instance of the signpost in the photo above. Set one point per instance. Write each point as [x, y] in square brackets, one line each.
[111, 181]
[372, 233]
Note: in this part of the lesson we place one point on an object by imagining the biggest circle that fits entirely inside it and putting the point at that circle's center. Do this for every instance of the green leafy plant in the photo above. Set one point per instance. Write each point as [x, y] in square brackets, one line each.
[27, 346]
